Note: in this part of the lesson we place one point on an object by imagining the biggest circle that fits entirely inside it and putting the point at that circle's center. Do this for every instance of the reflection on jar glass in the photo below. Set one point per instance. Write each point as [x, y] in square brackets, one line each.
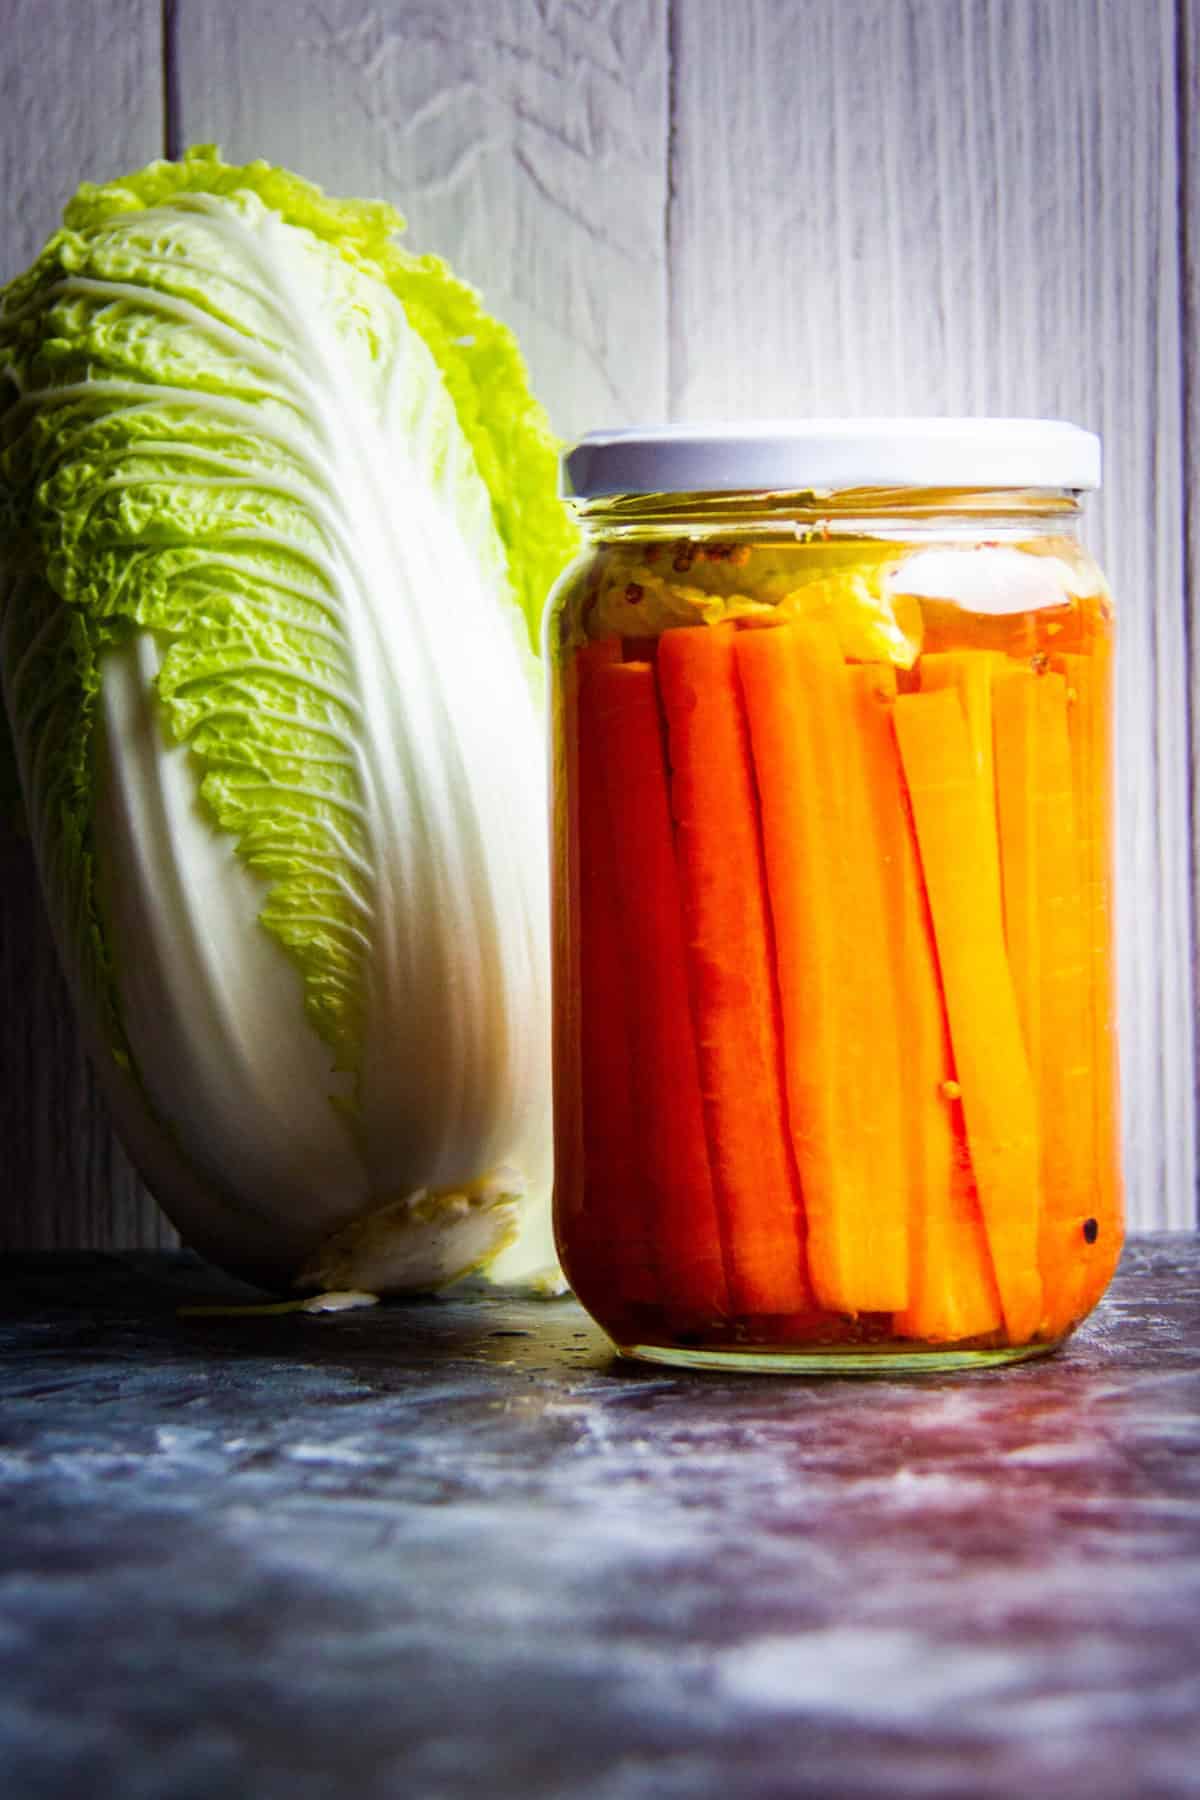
[835, 1066]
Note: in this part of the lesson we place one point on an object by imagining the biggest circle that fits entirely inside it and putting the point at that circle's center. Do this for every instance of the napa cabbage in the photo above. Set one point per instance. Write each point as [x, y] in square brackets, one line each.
[277, 517]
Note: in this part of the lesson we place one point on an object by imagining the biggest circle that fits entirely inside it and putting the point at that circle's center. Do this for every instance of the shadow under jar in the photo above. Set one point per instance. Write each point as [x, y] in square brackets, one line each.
[835, 1059]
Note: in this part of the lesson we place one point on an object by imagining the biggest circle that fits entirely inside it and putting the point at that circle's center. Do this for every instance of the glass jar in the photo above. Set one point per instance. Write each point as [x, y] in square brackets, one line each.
[835, 1059]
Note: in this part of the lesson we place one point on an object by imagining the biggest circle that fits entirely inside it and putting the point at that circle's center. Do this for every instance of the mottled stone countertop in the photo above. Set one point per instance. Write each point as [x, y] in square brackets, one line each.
[457, 1549]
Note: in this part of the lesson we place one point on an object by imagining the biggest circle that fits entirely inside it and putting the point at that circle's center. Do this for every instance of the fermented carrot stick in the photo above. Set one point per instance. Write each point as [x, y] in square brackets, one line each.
[969, 674]
[953, 818]
[614, 1226]
[1089, 722]
[1017, 778]
[952, 1289]
[668, 1116]
[731, 972]
[569, 1215]
[1047, 927]
[839, 1028]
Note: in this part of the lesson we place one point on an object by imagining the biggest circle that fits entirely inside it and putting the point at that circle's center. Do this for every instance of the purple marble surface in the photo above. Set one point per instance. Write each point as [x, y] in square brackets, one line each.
[457, 1549]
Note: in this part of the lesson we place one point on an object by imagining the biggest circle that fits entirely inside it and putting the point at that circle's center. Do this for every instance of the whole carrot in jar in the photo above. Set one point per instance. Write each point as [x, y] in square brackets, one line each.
[835, 1076]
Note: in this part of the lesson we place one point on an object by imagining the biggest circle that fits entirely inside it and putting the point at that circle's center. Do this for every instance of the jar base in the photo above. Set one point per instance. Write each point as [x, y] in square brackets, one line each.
[859, 1359]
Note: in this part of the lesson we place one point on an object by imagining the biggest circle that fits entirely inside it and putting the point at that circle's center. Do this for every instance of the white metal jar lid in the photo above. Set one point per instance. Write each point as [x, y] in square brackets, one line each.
[821, 455]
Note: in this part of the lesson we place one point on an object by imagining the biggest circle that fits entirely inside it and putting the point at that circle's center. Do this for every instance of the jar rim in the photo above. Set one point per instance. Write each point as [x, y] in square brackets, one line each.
[821, 456]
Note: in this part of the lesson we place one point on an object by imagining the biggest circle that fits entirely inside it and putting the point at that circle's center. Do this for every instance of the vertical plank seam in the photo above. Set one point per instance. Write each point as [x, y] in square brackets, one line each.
[670, 227]
[1188, 524]
[170, 79]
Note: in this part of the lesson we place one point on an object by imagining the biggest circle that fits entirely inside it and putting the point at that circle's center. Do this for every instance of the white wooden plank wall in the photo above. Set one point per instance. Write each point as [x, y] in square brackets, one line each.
[1188, 91]
[697, 207]
[524, 140]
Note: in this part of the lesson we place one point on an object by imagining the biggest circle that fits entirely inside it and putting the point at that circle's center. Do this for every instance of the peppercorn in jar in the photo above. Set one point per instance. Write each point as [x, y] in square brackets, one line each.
[835, 1058]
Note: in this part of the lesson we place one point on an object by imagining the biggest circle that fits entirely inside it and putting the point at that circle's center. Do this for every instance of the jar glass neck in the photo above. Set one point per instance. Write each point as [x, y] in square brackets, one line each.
[849, 512]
